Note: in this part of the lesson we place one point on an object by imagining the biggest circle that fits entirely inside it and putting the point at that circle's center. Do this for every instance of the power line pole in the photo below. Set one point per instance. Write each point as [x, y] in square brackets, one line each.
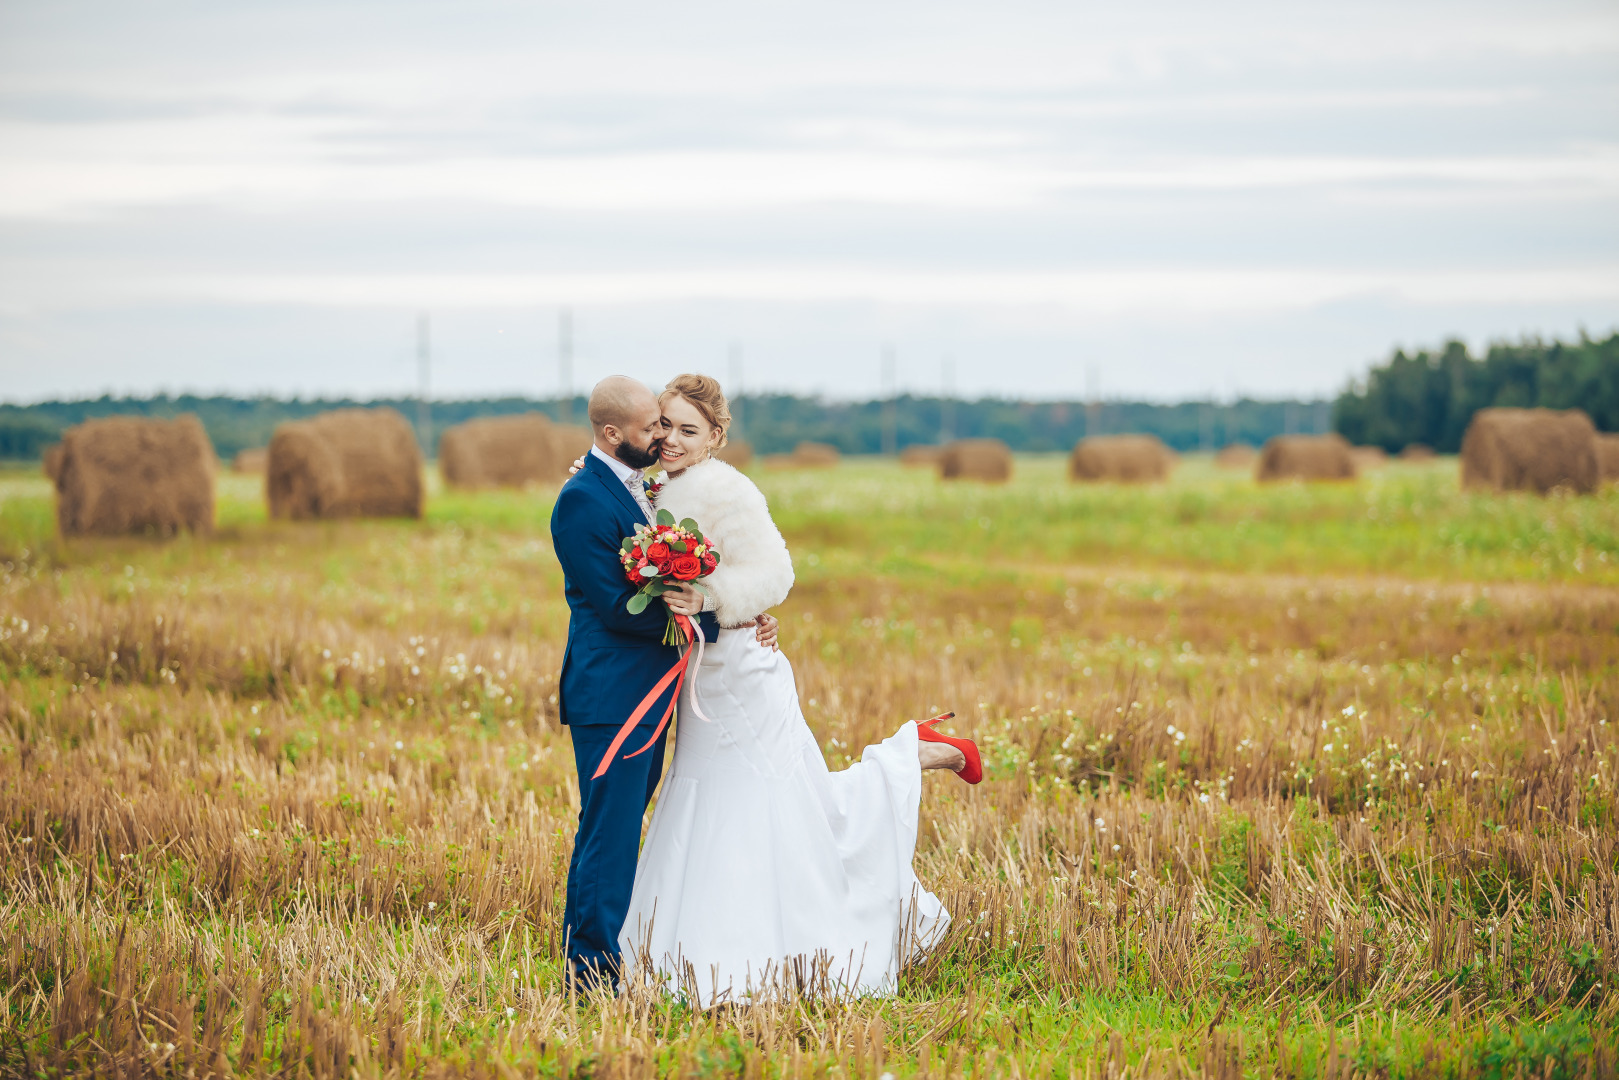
[947, 406]
[890, 406]
[424, 380]
[1093, 401]
[565, 365]
[735, 396]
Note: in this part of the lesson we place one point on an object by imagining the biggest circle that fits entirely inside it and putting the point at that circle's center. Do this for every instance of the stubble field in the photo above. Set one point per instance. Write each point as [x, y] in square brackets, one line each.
[1286, 781]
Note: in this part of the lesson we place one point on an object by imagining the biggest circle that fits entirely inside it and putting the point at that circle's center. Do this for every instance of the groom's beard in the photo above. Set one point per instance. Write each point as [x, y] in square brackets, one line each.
[635, 457]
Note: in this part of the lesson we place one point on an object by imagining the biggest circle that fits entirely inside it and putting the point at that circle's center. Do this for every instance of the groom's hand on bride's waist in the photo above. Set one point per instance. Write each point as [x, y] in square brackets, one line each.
[765, 627]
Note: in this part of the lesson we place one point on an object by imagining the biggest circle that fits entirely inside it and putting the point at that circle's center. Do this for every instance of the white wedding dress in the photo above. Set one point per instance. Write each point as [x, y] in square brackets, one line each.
[762, 869]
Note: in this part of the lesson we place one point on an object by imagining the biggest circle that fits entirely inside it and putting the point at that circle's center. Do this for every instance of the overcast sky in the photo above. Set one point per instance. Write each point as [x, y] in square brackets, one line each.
[1171, 199]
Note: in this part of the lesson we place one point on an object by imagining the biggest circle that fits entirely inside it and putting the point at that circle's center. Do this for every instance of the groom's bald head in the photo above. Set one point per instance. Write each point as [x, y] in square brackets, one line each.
[626, 420]
[621, 402]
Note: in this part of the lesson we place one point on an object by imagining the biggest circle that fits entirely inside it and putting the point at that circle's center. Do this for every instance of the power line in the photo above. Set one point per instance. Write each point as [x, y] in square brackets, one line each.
[424, 377]
[890, 408]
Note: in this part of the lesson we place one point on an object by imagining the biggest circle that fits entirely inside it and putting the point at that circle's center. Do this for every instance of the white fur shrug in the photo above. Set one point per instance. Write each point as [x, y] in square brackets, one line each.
[755, 571]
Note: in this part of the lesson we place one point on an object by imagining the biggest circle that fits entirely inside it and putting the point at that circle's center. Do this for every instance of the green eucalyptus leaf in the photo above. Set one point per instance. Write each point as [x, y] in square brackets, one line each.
[649, 571]
[638, 603]
[678, 546]
[665, 518]
[688, 524]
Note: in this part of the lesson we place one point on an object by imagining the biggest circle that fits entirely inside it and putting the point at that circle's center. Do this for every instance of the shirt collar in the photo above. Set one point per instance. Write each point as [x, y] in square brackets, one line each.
[624, 473]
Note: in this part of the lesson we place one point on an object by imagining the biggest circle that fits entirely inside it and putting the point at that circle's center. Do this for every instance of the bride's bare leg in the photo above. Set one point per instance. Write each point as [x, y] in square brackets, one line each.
[940, 756]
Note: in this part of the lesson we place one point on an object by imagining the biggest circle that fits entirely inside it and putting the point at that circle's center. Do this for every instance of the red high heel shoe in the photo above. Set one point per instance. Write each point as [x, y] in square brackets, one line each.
[973, 771]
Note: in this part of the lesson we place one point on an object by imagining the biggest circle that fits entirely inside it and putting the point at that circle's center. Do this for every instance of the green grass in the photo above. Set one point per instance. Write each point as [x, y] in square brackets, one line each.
[1292, 780]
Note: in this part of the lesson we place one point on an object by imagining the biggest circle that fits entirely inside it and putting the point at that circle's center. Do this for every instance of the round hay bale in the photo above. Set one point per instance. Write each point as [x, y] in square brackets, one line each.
[1237, 455]
[1305, 457]
[1530, 450]
[345, 463]
[920, 456]
[253, 460]
[501, 451]
[1368, 457]
[814, 455]
[989, 460]
[1608, 458]
[1417, 452]
[52, 462]
[131, 474]
[569, 442]
[1128, 459]
[737, 453]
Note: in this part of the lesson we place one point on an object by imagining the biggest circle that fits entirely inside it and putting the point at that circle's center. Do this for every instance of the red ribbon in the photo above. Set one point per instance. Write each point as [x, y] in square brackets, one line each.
[676, 673]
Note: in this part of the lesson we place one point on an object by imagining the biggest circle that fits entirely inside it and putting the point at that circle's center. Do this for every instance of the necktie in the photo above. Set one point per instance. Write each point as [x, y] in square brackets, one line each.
[638, 493]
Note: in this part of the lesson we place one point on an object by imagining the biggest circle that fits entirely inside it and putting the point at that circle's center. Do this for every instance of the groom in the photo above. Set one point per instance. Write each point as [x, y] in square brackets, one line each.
[613, 660]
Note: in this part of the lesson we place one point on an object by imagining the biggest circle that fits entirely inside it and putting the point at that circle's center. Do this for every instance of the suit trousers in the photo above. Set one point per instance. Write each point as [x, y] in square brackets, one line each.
[601, 874]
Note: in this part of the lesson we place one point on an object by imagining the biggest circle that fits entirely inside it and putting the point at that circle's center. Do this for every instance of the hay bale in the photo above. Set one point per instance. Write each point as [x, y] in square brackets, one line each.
[814, 455]
[738, 453]
[1237, 455]
[253, 460]
[53, 461]
[989, 460]
[1129, 459]
[1306, 457]
[130, 474]
[569, 442]
[1530, 450]
[1608, 458]
[920, 456]
[1368, 457]
[1417, 452]
[345, 463]
[503, 451]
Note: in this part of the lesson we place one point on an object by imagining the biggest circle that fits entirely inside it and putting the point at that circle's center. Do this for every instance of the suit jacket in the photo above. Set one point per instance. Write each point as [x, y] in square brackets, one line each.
[613, 658]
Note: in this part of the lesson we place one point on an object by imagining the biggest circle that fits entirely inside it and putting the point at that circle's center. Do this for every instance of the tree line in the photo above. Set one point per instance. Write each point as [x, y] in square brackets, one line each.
[1429, 397]
[773, 423]
[1423, 397]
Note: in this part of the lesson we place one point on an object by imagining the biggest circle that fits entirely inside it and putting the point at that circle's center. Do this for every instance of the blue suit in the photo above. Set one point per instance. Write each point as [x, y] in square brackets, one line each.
[613, 660]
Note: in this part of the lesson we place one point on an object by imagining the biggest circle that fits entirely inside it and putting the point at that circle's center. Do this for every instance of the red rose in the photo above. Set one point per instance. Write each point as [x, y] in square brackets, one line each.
[658, 552]
[635, 552]
[686, 567]
[709, 562]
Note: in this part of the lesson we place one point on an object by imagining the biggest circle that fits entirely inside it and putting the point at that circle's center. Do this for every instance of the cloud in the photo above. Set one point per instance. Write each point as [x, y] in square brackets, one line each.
[1171, 161]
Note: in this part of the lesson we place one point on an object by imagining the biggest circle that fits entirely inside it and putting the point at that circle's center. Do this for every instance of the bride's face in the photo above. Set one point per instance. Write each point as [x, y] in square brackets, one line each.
[687, 436]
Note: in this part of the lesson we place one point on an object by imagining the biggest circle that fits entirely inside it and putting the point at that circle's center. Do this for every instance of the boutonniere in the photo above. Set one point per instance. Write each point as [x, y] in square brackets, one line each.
[653, 484]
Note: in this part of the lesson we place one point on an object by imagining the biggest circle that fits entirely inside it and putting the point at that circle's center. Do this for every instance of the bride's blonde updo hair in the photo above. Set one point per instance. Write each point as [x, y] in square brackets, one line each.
[705, 393]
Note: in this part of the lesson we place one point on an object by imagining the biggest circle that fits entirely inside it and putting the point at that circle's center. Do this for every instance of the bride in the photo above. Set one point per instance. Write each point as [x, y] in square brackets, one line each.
[762, 869]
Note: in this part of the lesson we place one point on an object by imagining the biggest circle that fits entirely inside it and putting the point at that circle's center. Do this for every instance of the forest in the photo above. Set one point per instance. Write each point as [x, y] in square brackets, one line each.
[1429, 397]
[1419, 397]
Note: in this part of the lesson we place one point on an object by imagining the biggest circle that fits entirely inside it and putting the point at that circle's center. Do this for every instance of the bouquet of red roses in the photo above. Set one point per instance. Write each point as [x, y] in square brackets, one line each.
[661, 553]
